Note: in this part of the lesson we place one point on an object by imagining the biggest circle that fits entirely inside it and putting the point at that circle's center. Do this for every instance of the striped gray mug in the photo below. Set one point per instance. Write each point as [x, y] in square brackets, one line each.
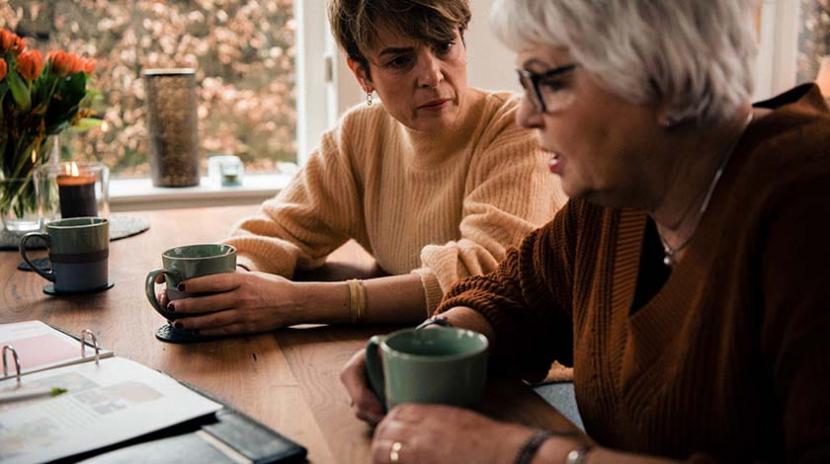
[78, 253]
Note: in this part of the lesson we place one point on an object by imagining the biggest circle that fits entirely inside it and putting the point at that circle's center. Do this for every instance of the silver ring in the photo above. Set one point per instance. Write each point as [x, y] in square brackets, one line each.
[394, 453]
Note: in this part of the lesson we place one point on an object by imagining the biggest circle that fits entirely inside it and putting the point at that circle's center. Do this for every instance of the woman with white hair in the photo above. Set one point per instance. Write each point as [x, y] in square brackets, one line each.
[686, 278]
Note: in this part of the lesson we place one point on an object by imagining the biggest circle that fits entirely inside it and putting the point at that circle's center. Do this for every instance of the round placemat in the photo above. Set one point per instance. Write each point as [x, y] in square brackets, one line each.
[121, 226]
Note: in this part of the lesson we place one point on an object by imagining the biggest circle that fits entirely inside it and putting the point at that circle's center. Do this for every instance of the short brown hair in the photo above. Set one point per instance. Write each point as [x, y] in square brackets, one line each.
[354, 22]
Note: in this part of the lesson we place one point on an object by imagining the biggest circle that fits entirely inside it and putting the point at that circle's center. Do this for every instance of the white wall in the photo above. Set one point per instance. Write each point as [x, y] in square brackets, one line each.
[490, 64]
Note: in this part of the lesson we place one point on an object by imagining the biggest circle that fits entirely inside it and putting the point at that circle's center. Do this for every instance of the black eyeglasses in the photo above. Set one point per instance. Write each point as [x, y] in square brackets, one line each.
[531, 81]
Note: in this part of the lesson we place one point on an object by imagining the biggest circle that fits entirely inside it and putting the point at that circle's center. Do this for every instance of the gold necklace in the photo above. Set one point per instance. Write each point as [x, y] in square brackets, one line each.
[670, 251]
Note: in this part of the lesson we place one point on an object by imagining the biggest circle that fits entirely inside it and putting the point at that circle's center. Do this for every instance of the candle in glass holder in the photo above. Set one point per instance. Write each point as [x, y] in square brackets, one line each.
[77, 193]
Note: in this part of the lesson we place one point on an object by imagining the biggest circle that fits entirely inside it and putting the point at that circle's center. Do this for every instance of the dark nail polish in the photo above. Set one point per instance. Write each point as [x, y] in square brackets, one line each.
[195, 331]
[180, 287]
[171, 307]
[178, 325]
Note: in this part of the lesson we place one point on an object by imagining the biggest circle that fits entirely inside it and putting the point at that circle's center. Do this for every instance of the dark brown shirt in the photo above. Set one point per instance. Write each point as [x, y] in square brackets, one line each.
[726, 358]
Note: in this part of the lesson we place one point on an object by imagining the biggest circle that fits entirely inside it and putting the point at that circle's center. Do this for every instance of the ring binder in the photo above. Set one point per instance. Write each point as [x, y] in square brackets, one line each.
[7, 349]
[94, 339]
[148, 425]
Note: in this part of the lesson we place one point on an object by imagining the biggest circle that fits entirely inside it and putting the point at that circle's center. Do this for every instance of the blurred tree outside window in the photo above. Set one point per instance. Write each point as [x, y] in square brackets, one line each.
[243, 52]
[814, 37]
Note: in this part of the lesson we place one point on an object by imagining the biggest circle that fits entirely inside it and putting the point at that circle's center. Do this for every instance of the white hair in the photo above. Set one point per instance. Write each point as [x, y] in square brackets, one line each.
[696, 56]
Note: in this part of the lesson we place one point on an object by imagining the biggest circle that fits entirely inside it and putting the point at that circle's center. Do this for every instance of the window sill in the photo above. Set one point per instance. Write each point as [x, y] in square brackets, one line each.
[140, 194]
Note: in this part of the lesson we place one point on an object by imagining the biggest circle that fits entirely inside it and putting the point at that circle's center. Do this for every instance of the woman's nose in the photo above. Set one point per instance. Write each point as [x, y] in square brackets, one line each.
[527, 116]
[430, 73]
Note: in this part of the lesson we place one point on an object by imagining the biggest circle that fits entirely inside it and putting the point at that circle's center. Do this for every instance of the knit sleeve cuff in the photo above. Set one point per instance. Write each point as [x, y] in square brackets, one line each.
[259, 256]
[515, 350]
[432, 289]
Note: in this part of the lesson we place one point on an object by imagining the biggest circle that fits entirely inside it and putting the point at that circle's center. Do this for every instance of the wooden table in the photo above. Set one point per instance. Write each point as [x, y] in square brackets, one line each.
[287, 380]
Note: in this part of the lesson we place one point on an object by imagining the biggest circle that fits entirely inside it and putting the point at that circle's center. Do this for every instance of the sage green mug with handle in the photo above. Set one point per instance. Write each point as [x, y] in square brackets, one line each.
[186, 262]
[445, 365]
[78, 253]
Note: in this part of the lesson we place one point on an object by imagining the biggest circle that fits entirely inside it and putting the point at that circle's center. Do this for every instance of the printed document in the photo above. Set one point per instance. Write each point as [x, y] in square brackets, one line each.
[105, 403]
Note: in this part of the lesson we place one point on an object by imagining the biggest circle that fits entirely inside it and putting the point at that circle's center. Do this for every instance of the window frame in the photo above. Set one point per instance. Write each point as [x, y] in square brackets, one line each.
[316, 100]
[324, 90]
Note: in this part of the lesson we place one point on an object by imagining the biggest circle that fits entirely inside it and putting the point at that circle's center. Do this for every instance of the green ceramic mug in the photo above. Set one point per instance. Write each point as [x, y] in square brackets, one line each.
[186, 262]
[444, 365]
[78, 253]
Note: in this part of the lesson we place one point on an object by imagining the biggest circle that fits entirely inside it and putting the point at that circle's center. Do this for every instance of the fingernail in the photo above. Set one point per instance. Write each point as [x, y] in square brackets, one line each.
[180, 287]
[171, 307]
[195, 331]
[178, 325]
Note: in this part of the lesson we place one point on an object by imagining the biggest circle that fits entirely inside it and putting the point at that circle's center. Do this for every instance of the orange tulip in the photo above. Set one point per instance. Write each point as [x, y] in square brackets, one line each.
[9, 41]
[4, 68]
[30, 64]
[64, 64]
[88, 65]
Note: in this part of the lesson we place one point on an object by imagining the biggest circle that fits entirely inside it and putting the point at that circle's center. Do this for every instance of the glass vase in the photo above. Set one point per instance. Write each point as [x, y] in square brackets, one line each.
[20, 205]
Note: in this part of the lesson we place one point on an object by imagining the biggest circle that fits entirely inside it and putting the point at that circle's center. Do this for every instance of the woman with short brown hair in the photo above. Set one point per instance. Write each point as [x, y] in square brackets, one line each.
[435, 181]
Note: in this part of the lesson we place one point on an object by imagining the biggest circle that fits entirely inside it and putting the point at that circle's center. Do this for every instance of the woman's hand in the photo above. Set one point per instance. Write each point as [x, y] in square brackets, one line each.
[242, 302]
[366, 404]
[436, 434]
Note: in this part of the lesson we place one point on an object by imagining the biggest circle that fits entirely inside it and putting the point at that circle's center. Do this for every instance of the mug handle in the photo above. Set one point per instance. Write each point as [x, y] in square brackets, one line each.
[48, 275]
[150, 290]
[374, 368]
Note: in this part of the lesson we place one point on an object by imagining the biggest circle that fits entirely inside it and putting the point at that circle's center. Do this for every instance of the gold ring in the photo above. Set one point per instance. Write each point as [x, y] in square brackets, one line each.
[394, 454]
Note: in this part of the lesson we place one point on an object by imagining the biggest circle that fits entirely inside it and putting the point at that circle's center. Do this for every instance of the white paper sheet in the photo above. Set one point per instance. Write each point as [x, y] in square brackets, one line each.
[105, 404]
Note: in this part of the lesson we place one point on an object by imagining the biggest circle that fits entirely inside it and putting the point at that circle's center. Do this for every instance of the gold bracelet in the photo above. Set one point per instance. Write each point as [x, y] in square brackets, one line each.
[357, 301]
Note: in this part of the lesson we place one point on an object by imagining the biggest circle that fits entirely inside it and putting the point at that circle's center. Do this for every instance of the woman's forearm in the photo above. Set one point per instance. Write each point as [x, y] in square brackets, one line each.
[468, 318]
[389, 300]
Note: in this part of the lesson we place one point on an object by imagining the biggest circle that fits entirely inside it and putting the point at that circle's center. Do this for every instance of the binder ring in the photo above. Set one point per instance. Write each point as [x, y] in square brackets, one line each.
[94, 340]
[7, 349]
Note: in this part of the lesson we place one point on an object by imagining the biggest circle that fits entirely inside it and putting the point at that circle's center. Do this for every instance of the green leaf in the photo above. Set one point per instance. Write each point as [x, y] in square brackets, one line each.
[66, 100]
[86, 124]
[20, 90]
[43, 89]
[4, 88]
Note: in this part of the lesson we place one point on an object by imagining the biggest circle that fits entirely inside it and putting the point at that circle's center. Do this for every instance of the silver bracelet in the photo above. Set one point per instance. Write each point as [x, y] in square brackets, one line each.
[578, 455]
[440, 321]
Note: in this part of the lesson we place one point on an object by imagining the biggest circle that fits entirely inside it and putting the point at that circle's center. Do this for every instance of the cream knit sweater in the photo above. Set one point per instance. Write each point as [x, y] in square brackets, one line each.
[442, 207]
